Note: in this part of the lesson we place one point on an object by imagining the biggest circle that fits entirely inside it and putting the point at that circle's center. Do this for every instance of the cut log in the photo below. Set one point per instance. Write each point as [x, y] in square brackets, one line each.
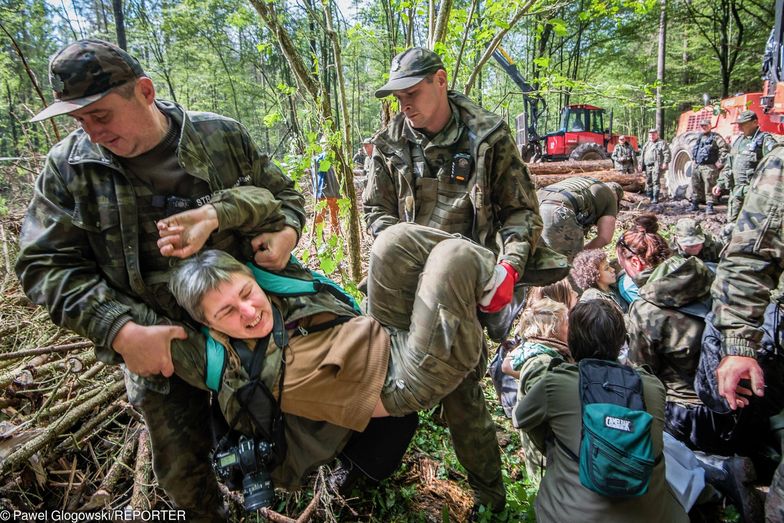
[629, 182]
[570, 167]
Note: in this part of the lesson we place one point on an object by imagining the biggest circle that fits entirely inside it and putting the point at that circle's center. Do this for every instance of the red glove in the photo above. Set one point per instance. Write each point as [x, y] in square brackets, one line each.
[500, 289]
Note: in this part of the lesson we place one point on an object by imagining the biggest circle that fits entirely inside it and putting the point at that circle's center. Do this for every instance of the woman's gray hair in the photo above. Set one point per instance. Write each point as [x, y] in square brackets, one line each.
[201, 273]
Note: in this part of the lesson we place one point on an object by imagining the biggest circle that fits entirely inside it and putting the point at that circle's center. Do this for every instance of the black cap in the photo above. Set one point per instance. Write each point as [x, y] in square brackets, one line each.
[409, 68]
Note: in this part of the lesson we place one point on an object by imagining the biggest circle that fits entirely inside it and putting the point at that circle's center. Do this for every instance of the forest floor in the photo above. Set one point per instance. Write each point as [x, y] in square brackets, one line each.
[69, 439]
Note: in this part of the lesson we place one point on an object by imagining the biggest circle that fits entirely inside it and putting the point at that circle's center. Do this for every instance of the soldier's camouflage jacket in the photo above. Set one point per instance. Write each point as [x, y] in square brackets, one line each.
[624, 158]
[751, 273]
[497, 198]
[662, 336]
[660, 150]
[745, 154]
[79, 245]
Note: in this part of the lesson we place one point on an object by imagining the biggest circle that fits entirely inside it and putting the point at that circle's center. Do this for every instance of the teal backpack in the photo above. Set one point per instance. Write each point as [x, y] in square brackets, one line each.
[276, 284]
[616, 452]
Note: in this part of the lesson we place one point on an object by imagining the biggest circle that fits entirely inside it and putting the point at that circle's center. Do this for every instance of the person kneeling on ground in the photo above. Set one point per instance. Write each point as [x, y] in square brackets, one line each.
[545, 324]
[324, 363]
[551, 415]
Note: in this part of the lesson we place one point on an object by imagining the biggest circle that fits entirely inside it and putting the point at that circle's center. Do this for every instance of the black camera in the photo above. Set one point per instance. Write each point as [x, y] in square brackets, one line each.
[251, 458]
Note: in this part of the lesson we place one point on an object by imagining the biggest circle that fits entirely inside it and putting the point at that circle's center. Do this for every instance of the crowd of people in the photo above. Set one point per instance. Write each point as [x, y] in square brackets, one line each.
[644, 385]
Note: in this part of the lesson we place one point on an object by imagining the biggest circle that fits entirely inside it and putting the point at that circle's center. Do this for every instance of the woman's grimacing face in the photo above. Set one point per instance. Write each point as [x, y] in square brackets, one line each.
[238, 308]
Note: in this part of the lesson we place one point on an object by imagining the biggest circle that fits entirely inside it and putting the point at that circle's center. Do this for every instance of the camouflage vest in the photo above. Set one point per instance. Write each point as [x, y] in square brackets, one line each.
[705, 150]
[576, 192]
[443, 178]
[746, 154]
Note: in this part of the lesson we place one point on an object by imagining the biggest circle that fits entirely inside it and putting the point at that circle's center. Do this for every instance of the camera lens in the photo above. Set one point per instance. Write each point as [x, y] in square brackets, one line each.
[258, 490]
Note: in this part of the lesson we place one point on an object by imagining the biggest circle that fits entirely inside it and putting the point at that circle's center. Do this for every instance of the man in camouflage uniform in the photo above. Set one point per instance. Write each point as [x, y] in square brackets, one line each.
[571, 207]
[623, 156]
[709, 155]
[654, 160]
[747, 150]
[749, 277]
[447, 163]
[88, 246]
[690, 240]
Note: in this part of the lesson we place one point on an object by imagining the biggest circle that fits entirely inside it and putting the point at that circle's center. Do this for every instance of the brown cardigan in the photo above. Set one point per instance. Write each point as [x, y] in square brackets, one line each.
[334, 375]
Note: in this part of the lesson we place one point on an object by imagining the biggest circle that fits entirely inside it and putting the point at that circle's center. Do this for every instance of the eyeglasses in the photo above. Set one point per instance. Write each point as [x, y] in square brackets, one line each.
[622, 243]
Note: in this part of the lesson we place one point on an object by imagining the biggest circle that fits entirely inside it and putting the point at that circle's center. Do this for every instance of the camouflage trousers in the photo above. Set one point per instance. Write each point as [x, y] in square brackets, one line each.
[423, 285]
[652, 178]
[623, 167]
[561, 231]
[177, 418]
[703, 179]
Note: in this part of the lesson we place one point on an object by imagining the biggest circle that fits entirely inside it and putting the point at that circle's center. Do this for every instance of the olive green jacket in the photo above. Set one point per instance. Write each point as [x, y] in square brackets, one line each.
[79, 243]
[552, 407]
[745, 154]
[500, 188]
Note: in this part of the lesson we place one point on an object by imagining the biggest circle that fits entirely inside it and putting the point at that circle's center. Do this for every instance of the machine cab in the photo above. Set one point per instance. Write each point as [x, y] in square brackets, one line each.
[579, 124]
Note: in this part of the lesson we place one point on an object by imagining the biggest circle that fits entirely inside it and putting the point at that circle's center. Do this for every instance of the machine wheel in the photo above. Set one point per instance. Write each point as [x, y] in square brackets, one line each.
[681, 166]
[588, 151]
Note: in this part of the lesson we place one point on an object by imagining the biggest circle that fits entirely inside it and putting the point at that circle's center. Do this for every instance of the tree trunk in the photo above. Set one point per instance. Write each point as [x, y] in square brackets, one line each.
[119, 24]
[311, 87]
[344, 156]
[660, 67]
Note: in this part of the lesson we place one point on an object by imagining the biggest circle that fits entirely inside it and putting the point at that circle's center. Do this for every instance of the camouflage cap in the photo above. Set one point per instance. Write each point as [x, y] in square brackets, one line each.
[622, 138]
[705, 121]
[84, 72]
[409, 68]
[746, 116]
[653, 130]
[688, 232]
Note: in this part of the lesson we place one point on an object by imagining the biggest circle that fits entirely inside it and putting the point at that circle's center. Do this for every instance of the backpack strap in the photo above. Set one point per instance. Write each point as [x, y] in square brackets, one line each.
[214, 363]
[288, 286]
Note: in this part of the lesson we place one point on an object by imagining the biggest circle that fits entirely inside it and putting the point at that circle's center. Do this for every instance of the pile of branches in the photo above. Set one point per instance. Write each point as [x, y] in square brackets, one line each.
[68, 437]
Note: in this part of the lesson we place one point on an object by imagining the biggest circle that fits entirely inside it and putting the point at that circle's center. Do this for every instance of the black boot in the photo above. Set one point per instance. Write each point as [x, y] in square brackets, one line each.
[694, 206]
[733, 477]
[709, 208]
[655, 198]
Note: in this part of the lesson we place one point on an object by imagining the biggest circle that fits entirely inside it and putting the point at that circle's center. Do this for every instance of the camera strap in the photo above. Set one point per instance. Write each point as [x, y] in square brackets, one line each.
[255, 393]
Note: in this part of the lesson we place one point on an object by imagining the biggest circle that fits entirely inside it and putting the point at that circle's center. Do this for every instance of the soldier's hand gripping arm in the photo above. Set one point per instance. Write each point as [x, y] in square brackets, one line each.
[248, 210]
[748, 273]
[273, 249]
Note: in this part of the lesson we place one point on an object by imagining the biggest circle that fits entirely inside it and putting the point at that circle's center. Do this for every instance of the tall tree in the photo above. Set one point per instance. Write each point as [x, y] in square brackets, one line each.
[660, 67]
[321, 100]
[119, 24]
